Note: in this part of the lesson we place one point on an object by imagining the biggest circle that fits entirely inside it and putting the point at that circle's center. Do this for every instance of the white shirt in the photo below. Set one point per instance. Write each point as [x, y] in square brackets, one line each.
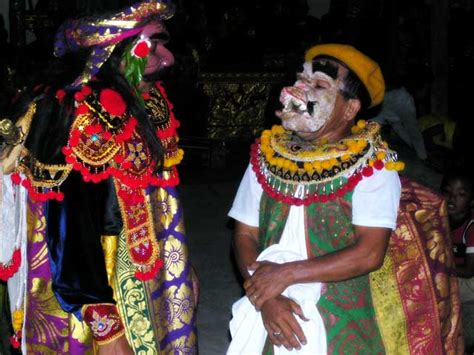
[375, 202]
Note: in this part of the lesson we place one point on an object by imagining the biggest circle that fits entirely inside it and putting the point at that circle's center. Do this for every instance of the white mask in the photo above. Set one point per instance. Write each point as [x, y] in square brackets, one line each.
[309, 103]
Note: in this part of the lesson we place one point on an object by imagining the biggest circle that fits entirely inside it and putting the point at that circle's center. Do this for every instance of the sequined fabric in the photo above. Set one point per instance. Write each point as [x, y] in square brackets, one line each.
[48, 329]
[416, 291]
[160, 314]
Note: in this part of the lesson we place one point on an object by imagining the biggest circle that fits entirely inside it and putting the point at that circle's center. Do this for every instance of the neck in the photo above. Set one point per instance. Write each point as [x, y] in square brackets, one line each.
[327, 136]
[145, 86]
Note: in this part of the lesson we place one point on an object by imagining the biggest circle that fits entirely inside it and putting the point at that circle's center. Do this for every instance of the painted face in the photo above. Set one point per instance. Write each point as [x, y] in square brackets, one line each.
[310, 102]
[159, 57]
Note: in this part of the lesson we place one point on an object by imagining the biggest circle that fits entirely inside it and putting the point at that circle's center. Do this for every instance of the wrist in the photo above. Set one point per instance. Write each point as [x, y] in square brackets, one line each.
[288, 274]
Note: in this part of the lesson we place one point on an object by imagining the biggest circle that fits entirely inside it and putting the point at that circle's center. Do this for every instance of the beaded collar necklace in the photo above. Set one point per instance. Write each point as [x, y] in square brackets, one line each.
[298, 172]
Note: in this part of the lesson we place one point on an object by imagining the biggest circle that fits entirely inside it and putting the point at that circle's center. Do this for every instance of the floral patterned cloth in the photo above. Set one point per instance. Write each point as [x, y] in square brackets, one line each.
[159, 315]
[411, 304]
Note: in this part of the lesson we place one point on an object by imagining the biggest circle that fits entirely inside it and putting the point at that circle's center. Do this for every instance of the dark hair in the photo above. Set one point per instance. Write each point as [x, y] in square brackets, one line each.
[459, 174]
[52, 121]
[353, 86]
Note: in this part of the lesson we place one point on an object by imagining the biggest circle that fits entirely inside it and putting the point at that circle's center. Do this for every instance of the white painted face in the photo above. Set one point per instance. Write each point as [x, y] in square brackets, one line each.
[309, 103]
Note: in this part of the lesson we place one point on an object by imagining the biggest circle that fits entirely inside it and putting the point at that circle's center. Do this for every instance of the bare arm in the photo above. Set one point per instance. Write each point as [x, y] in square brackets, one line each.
[245, 247]
[365, 255]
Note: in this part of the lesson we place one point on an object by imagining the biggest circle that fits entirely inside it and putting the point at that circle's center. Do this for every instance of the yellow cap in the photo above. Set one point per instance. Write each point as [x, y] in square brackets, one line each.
[365, 68]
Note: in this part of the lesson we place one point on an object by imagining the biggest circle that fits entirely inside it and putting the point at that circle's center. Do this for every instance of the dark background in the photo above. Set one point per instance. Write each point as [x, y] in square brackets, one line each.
[422, 44]
[425, 45]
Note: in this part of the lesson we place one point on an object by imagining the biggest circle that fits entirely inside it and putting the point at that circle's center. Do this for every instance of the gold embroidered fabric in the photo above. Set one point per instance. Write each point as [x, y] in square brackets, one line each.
[48, 329]
[389, 309]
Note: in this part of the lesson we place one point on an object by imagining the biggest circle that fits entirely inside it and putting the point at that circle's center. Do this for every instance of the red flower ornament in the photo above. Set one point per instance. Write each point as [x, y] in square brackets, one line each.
[141, 49]
[112, 102]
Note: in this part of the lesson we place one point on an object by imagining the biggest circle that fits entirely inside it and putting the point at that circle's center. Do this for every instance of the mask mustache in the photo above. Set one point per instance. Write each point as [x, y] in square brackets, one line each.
[294, 100]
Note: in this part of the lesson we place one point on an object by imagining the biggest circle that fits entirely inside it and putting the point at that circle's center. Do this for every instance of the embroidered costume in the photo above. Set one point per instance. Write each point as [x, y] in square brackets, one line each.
[149, 258]
[361, 193]
[104, 239]
[318, 191]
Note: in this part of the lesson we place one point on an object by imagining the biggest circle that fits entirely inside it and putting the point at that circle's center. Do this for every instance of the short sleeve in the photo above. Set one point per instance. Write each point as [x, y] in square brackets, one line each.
[469, 237]
[376, 199]
[246, 205]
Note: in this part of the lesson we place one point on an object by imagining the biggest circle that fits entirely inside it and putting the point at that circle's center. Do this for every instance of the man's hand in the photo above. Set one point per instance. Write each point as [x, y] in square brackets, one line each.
[279, 319]
[117, 346]
[267, 282]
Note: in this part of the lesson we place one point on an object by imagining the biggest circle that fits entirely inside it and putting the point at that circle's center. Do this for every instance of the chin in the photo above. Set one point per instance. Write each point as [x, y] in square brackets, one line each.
[155, 75]
[307, 136]
[300, 130]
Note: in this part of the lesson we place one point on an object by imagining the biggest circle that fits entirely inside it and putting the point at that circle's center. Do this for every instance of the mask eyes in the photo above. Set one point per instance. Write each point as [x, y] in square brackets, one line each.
[322, 85]
[161, 37]
[316, 83]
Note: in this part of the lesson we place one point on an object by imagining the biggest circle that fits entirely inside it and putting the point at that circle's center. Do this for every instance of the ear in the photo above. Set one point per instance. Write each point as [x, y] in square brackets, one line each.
[351, 109]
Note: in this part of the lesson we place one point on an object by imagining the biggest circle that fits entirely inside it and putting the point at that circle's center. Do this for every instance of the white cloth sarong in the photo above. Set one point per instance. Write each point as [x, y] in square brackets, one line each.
[247, 329]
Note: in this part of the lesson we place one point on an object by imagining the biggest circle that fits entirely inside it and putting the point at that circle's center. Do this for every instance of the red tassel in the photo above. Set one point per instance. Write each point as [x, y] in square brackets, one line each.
[70, 160]
[367, 171]
[81, 110]
[8, 271]
[86, 90]
[79, 96]
[16, 178]
[378, 164]
[60, 196]
[14, 342]
[60, 95]
[148, 275]
[26, 183]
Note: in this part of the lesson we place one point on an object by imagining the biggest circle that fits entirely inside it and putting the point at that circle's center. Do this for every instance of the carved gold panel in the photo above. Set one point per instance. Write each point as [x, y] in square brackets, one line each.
[237, 102]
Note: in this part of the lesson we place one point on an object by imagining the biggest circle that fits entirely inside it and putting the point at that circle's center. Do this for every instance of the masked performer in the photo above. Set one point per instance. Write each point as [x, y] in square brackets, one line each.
[326, 186]
[99, 234]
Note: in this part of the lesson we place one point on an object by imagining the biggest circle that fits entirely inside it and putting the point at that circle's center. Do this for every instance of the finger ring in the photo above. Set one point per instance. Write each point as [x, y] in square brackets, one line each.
[276, 334]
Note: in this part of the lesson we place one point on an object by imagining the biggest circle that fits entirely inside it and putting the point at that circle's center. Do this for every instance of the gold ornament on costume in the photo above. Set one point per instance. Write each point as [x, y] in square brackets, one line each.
[14, 134]
[285, 151]
[109, 246]
[9, 132]
[301, 172]
[159, 109]
[43, 175]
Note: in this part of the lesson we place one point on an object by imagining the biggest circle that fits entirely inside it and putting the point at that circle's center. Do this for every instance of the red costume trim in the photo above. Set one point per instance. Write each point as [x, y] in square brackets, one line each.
[104, 143]
[104, 321]
[255, 158]
[8, 270]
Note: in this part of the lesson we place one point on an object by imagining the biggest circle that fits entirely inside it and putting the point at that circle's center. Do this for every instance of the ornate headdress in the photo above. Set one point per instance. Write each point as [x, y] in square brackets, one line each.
[367, 70]
[104, 34]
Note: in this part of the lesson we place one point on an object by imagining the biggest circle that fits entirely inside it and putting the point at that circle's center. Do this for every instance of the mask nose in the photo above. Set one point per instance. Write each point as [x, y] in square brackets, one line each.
[294, 95]
[166, 58]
